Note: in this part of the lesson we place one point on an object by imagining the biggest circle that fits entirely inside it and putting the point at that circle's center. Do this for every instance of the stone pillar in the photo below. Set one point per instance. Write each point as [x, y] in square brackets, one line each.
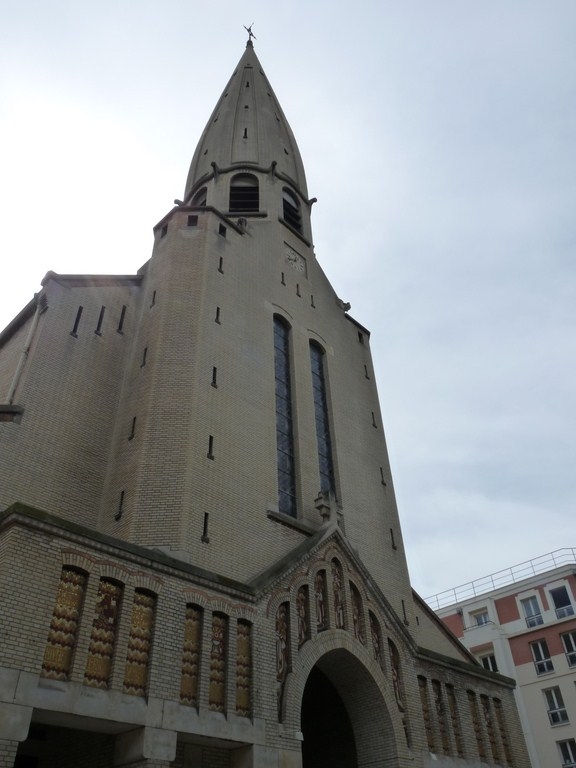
[145, 748]
[8, 749]
[14, 726]
[258, 756]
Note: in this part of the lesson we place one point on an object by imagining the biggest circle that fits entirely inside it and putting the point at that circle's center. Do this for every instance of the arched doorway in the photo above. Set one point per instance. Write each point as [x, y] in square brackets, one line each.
[344, 718]
[327, 730]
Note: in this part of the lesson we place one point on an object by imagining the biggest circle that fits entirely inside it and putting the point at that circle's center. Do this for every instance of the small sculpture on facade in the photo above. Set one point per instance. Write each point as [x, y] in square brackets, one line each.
[338, 594]
[281, 642]
[319, 596]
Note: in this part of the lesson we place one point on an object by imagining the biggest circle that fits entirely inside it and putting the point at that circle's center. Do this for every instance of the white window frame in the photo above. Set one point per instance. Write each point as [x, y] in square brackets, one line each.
[569, 643]
[544, 664]
[566, 610]
[557, 713]
[490, 658]
[533, 617]
[481, 613]
[567, 752]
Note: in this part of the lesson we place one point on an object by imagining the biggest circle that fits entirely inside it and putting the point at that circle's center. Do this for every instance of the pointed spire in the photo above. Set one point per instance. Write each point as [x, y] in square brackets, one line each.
[248, 129]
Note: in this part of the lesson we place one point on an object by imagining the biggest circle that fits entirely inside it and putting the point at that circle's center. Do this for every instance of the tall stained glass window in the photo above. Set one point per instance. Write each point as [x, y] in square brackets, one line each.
[322, 424]
[284, 428]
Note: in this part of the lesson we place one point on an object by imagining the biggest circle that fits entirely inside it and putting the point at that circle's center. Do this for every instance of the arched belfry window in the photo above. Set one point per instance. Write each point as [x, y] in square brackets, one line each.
[199, 198]
[284, 426]
[244, 193]
[324, 443]
[291, 210]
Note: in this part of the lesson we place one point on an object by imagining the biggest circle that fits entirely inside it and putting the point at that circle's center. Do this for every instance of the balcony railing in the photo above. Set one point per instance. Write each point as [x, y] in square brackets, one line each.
[502, 578]
[544, 666]
[558, 716]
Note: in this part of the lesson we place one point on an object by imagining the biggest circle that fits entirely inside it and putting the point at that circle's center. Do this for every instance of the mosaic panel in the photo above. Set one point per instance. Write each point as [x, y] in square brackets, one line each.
[103, 637]
[139, 644]
[191, 656]
[423, 688]
[455, 720]
[64, 625]
[217, 686]
[487, 712]
[473, 704]
[503, 730]
[243, 669]
[441, 716]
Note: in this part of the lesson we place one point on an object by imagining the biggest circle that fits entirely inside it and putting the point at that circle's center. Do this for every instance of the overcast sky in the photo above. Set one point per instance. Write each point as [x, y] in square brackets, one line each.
[439, 138]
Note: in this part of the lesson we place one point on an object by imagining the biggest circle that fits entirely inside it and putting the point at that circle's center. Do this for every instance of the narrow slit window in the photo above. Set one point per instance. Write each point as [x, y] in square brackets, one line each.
[120, 511]
[144, 356]
[133, 429]
[323, 439]
[291, 210]
[222, 230]
[214, 375]
[164, 230]
[217, 318]
[210, 453]
[98, 330]
[120, 328]
[205, 538]
[74, 331]
[284, 425]
[153, 299]
[221, 265]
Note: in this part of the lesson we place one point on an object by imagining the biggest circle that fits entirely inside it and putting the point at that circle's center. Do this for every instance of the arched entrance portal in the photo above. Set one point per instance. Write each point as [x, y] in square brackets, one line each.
[327, 730]
[344, 718]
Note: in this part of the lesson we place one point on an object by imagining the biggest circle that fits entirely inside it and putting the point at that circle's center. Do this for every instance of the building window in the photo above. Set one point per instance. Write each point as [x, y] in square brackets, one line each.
[244, 193]
[291, 210]
[569, 643]
[324, 442]
[479, 618]
[568, 752]
[541, 656]
[192, 220]
[284, 426]
[531, 611]
[489, 662]
[556, 709]
[562, 602]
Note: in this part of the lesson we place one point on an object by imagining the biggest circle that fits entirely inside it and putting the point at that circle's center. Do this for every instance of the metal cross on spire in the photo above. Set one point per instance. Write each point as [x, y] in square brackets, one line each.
[250, 33]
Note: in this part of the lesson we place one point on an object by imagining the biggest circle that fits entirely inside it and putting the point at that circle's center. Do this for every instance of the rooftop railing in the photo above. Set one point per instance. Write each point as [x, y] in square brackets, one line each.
[502, 578]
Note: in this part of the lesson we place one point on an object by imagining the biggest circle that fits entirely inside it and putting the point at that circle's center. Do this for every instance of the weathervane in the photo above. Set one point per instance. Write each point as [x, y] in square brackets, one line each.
[250, 33]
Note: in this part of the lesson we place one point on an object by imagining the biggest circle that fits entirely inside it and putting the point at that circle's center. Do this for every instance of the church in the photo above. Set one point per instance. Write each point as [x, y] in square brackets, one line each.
[201, 558]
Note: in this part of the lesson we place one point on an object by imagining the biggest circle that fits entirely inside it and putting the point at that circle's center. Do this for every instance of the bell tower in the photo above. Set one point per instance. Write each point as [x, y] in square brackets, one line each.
[257, 416]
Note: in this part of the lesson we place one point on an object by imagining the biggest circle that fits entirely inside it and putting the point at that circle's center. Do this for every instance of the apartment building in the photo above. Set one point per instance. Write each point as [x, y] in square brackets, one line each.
[521, 622]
